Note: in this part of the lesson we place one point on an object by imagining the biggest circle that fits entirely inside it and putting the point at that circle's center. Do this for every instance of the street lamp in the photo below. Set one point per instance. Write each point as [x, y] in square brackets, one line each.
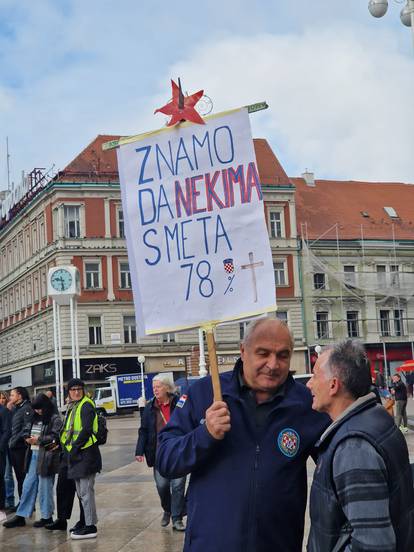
[141, 360]
[378, 8]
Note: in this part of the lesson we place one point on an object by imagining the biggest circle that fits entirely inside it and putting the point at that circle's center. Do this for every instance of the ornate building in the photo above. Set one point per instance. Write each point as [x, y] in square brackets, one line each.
[76, 218]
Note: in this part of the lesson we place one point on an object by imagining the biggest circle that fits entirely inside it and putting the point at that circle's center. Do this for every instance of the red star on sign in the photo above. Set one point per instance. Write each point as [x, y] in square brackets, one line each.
[181, 108]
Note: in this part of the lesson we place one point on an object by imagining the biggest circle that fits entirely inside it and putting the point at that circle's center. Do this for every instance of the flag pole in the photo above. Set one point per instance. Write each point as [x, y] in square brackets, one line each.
[212, 355]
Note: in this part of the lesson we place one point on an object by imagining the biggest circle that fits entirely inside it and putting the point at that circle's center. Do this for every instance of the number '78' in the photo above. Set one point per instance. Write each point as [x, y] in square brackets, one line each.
[205, 285]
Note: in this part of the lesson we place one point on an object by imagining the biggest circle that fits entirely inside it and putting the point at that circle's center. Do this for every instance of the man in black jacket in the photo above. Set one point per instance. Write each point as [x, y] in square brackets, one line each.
[399, 391]
[5, 419]
[23, 413]
[362, 496]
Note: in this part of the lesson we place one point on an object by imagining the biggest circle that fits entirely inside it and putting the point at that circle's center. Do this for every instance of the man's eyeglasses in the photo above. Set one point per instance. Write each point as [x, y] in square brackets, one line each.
[76, 389]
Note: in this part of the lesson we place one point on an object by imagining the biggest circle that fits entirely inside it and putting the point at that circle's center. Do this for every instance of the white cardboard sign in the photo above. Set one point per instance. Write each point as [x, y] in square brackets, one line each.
[197, 241]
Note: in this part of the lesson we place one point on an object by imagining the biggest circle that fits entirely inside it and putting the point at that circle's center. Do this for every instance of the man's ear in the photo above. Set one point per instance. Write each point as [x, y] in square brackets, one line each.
[241, 350]
[334, 387]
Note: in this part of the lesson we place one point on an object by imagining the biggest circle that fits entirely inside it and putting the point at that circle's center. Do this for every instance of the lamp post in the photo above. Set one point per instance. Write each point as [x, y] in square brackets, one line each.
[378, 8]
[141, 360]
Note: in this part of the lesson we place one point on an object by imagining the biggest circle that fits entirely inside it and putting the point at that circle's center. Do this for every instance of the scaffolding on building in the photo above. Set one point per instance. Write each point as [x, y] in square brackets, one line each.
[382, 270]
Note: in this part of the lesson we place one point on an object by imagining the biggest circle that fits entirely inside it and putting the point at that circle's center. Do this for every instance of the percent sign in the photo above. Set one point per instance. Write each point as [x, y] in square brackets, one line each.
[229, 288]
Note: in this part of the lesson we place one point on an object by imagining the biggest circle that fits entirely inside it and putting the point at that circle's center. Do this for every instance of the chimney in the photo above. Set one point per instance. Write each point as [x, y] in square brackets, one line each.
[309, 178]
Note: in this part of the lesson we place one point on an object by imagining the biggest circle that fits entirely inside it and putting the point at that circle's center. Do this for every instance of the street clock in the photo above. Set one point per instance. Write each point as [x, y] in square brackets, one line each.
[63, 282]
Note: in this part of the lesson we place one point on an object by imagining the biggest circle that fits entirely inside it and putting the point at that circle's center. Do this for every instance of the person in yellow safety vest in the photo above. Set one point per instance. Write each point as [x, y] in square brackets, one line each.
[81, 453]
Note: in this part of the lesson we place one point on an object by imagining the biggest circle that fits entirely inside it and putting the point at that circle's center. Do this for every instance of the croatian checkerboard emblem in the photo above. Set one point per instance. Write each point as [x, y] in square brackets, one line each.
[228, 265]
[288, 442]
[181, 401]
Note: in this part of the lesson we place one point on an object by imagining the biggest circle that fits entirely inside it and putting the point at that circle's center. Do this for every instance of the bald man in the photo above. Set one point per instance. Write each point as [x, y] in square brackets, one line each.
[246, 454]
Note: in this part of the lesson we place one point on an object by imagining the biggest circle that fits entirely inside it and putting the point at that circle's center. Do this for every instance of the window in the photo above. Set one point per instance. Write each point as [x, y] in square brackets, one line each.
[349, 275]
[42, 235]
[11, 298]
[92, 275]
[319, 280]
[130, 332]
[385, 323]
[381, 275]
[394, 276]
[282, 315]
[105, 393]
[43, 282]
[22, 295]
[242, 329]
[121, 224]
[280, 273]
[124, 275]
[17, 296]
[391, 212]
[29, 291]
[95, 330]
[352, 323]
[21, 248]
[275, 221]
[168, 338]
[35, 289]
[322, 325]
[398, 322]
[34, 240]
[28, 247]
[72, 221]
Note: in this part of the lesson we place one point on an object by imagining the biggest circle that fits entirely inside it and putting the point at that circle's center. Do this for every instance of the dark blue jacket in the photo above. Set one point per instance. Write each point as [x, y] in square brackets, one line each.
[246, 494]
[329, 526]
[147, 433]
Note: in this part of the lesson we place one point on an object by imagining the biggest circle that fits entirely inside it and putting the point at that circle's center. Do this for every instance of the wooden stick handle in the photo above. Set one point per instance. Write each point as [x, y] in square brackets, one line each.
[214, 373]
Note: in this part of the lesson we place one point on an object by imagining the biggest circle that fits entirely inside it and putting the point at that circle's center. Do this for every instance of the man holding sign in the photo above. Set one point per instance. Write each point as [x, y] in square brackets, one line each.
[246, 454]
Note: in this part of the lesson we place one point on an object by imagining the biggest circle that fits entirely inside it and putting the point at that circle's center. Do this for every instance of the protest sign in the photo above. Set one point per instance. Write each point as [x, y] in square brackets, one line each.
[197, 241]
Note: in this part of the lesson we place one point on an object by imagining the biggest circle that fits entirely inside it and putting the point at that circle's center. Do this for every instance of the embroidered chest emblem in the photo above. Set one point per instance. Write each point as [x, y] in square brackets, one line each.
[288, 442]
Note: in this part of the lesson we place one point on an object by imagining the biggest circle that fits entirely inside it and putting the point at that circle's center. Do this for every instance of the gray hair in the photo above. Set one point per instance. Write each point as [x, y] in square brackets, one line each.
[349, 363]
[165, 379]
[251, 327]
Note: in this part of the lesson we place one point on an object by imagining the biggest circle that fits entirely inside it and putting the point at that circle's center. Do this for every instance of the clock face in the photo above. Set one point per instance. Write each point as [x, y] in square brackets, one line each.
[61, 280]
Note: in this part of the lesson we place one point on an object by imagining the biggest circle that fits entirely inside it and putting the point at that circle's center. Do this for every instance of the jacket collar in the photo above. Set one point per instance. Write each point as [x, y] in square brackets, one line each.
[362, 403]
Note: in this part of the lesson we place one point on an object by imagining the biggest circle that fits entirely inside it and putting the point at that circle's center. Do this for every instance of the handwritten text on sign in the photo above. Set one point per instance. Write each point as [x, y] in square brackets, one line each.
[197, 242]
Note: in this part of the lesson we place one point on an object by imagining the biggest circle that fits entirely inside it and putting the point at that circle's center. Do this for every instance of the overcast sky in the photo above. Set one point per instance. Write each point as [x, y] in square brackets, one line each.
[339, 82]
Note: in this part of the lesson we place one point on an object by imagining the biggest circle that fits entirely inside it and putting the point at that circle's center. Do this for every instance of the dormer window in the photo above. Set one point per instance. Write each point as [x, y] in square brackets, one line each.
[391, 212]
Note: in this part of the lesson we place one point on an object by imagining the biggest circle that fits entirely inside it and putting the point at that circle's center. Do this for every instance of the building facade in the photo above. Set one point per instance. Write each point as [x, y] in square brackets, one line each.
[357, 266]
[76, 218]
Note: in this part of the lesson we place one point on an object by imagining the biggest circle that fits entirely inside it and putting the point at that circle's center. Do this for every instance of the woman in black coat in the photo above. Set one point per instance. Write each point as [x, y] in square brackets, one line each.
[155, 416]
[41, 433]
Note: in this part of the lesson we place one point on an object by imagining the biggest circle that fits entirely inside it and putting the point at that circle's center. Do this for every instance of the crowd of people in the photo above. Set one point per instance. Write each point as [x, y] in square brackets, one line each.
[246, 455]
[37, 444]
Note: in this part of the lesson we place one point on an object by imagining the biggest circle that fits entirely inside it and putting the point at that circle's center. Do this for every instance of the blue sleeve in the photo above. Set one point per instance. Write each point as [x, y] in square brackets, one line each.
[184, 443]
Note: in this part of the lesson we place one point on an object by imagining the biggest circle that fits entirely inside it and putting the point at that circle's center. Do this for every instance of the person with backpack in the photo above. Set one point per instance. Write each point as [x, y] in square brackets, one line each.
[81, 454]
